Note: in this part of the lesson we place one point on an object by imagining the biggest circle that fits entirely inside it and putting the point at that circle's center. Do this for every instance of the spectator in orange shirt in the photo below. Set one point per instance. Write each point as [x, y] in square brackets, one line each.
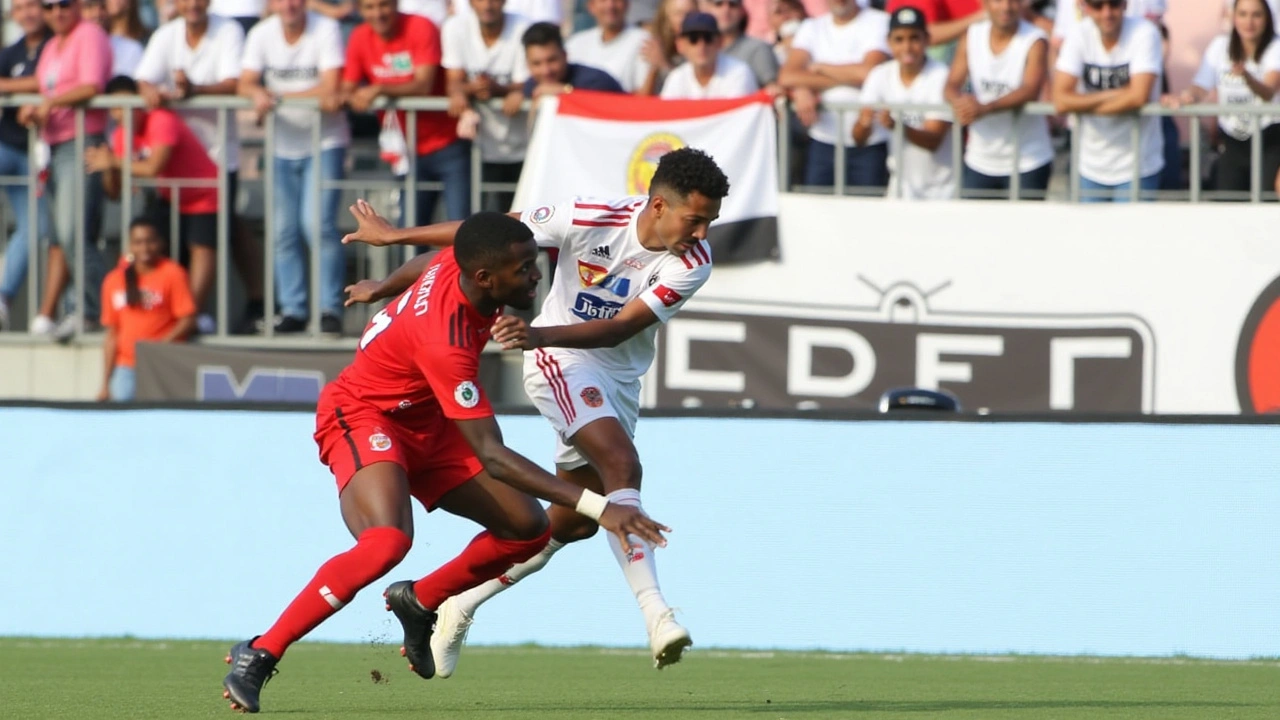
[145, 299]
[164, 148]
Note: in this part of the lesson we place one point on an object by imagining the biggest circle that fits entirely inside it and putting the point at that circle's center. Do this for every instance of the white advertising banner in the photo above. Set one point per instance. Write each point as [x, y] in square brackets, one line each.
[1020, 307]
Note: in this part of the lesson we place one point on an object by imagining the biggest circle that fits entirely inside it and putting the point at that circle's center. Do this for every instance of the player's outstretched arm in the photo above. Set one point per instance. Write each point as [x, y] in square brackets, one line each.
[368, 291]
[519, 472]
[515, 333]
[373, 229]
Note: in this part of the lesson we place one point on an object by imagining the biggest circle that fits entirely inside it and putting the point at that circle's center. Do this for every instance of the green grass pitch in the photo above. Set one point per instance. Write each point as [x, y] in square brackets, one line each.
[123, 678]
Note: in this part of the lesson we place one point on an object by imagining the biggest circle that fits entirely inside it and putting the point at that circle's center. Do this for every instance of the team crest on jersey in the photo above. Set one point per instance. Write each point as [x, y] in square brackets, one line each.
[542, 214]
[379, 441]
[592, 397]
[644, 160]
[591, 275]
[466, 394]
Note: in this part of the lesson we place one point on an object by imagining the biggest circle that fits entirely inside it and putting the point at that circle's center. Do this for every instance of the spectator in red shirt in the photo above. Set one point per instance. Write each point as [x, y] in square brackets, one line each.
[394, 54]
[164, 148]
[145, 299]
[947, 20]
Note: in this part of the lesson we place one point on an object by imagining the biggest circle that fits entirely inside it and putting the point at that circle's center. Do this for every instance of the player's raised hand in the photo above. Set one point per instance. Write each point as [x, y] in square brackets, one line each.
[371, 228]
[515, 334]
[365, 291]
[624, 520]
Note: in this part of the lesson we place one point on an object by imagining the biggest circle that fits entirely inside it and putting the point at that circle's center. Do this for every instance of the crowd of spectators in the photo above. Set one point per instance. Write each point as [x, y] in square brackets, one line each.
[984, 59]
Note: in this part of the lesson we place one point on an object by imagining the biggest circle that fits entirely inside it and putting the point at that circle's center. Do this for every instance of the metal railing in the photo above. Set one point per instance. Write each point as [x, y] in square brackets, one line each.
[1196, 144]
[378, 261]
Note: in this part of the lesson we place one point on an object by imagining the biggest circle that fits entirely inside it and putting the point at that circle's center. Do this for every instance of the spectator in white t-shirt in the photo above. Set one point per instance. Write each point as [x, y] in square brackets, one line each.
[1241, 68]
[920, 169]
[1107, 70]
[1004, 60]
[299, 54]
[198, 54]
[613, 46]
[832, 55]
[484, 61]
[126, 50]
[707, 72]
[531, 11]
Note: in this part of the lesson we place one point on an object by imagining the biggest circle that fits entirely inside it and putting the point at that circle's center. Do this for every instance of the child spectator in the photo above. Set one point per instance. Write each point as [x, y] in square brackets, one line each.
[145, 299]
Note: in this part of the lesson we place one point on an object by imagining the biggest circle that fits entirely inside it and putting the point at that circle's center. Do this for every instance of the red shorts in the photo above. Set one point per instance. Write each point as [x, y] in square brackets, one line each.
[428, 447]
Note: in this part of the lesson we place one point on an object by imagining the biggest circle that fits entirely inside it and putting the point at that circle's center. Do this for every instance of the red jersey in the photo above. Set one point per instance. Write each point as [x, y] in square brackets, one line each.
[188, 159]
[423, 350]
[936, 11]
[390, 62]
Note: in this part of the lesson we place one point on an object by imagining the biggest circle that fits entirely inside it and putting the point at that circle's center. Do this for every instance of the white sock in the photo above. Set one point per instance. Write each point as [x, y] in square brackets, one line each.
[472, 599]
[638, 566]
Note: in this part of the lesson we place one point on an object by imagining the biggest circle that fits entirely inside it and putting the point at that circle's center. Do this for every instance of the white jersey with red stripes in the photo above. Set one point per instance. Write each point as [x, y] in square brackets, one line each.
[601, 266]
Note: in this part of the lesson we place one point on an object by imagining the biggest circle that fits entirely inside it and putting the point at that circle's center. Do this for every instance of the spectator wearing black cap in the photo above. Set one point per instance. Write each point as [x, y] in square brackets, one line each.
[707, 72]
[921, 168]
[551, 73]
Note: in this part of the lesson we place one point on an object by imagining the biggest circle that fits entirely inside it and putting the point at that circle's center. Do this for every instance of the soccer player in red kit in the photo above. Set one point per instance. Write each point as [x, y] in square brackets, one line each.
[408, 419]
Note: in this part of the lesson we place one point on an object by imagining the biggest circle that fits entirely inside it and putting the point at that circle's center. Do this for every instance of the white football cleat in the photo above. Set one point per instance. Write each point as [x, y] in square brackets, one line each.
[668, 639]
[451, 631]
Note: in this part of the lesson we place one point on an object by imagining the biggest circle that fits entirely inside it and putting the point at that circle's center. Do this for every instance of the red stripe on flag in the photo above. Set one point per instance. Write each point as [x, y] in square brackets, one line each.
[635, 108]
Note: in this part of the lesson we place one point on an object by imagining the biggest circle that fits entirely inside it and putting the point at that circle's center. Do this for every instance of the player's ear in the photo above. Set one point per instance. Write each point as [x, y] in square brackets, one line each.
[483, 278]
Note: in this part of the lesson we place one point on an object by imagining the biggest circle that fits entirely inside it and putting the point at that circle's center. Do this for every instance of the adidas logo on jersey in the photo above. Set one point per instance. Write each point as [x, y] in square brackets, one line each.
[601, 252]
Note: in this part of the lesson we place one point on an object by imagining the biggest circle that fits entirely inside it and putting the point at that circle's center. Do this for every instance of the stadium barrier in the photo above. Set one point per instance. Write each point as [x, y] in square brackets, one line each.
[375, 262]
[938, 536]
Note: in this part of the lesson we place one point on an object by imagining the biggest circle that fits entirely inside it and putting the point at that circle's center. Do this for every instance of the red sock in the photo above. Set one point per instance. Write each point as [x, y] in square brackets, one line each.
[336, 583]
[485, 558]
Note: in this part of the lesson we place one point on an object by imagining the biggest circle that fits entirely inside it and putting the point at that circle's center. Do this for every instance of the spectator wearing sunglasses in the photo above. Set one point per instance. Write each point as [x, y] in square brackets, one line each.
[706, 72]
[74, 67]
[731, 17]
[1108, 69]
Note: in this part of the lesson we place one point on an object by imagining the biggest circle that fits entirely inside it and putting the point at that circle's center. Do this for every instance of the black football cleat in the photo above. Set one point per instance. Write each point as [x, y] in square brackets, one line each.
[418, 623]
[251, 668]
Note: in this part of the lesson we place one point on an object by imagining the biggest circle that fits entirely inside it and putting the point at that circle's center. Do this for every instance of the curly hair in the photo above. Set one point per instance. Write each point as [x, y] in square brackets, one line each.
[484, 240]
[689, 170]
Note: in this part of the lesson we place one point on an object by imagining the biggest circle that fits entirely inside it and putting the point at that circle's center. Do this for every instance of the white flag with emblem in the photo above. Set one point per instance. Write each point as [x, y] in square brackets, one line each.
[608, 145]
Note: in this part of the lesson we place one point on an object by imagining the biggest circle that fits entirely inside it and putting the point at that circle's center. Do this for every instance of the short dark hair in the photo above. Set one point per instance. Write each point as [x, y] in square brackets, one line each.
[688, 170]
[121, 83]
[542, 33]
[485, 239]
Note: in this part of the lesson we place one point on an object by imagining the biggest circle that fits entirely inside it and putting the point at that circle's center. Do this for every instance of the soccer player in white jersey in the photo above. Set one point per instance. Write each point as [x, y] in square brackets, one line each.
[623, 267]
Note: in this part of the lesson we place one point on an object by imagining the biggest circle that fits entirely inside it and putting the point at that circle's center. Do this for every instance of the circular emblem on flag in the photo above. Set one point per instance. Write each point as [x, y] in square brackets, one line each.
[379, 441]
[1258, 353]
[542, 214]
[592, 397]
[466, 394]
[644, 160]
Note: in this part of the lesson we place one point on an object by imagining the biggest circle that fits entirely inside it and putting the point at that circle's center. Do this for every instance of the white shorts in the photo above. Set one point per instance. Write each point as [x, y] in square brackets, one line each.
[572, 394]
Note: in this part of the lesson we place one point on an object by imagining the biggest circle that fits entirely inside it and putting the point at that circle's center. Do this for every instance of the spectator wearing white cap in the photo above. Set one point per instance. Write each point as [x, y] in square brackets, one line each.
[1108, 69]
[1005, 61]
[707, 72]
[920, 169]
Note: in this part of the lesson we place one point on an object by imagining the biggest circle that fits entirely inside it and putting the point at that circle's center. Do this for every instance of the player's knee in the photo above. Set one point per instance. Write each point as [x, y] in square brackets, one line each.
[532, 527]
[387, 547]
[620, 470]
[575, 531]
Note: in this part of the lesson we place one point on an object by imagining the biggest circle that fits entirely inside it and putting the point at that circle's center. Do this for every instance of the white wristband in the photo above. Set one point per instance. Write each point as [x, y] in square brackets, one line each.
[592, 504]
